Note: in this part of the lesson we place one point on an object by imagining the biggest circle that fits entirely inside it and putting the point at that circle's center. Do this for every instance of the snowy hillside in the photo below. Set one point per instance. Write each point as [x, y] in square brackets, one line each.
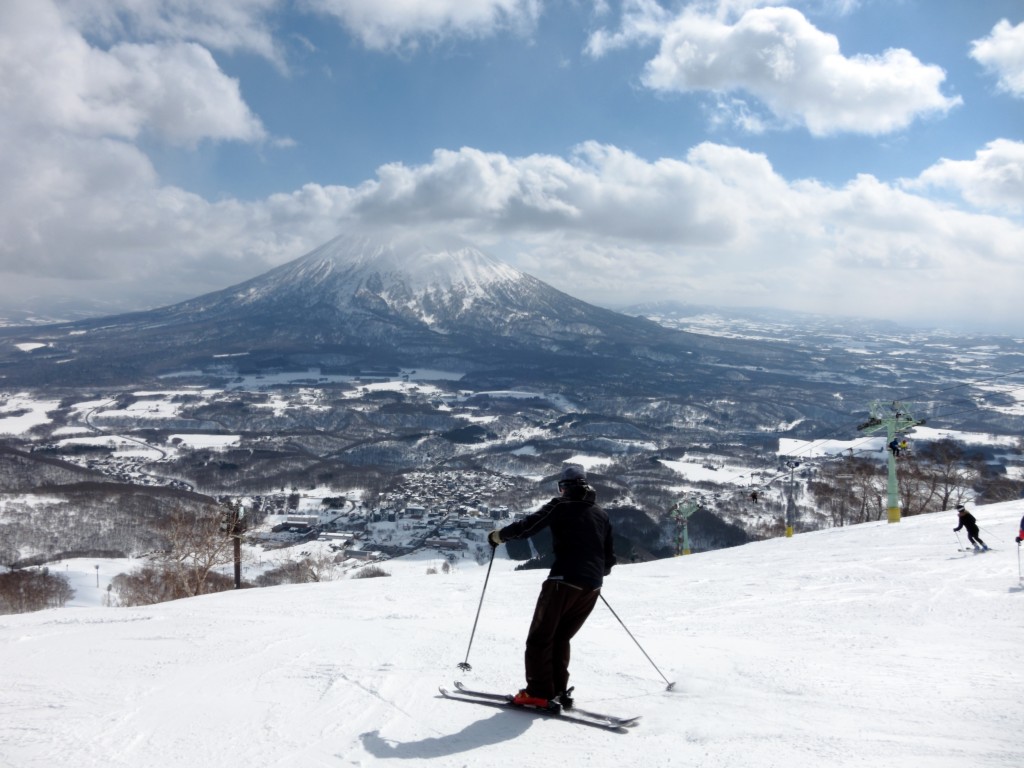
[876, 645]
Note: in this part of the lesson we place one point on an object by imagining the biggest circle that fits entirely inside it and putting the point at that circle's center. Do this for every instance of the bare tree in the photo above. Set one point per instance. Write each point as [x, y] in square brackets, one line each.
[198, 543]
[917, 487]
[955, 471]
[8, 550]
[850, 490]
[144, 586]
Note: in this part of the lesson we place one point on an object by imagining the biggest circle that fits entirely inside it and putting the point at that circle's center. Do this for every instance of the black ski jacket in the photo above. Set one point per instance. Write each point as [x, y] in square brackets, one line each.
[967, 521]
[582, 538]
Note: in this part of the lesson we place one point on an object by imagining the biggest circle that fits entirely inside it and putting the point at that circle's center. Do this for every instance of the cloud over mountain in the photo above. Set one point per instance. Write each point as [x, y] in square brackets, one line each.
[155, 151]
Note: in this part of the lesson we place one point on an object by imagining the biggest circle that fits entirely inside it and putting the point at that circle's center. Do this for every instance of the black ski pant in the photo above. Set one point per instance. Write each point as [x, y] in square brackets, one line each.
[974, 538]
[561, 611]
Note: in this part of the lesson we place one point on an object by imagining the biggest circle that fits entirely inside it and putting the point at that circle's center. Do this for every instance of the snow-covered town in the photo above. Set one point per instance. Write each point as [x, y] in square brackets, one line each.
[443, 513]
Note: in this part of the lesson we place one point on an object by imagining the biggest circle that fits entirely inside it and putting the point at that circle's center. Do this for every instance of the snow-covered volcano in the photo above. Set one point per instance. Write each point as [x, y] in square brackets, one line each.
[435, 281]
[405, 273]
[364, 301]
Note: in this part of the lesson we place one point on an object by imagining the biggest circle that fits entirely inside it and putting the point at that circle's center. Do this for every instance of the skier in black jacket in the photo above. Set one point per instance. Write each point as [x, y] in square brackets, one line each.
[582, 539]
[967, 521]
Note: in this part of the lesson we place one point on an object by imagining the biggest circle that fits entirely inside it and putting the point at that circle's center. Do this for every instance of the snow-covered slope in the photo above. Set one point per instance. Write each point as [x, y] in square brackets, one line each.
[878, 645]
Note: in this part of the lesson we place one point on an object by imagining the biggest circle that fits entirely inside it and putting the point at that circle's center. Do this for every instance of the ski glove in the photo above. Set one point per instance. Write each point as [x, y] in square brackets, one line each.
[494, 538]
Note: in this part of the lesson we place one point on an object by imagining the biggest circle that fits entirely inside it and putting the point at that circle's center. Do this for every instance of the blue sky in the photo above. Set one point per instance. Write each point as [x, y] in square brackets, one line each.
[859, 157]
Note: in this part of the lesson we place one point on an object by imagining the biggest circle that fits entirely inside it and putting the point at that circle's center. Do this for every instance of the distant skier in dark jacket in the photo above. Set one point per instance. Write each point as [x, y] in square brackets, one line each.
[967, 521]
[584, 555]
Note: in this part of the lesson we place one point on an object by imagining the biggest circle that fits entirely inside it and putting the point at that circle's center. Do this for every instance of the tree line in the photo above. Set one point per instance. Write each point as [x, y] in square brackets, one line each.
[934, 477]
[33, 589]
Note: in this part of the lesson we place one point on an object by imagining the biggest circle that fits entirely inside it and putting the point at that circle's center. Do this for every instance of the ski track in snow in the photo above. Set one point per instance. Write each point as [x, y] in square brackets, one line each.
[874, 645]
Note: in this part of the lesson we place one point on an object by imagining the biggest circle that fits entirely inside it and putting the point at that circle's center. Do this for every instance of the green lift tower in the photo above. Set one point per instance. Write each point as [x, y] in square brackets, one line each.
[681, 514]
[895, 419]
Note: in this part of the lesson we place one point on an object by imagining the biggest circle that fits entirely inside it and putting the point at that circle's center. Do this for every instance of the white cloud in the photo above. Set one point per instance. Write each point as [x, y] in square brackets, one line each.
[797, 71]
[601, 191]
[389, 24]
[1002, 53]
[249, 25]
[238, 25]
[994, 179]
[642, 21]
[54, 80]
[78, 198]
[718, 226]
[81, 203]
[179, 92]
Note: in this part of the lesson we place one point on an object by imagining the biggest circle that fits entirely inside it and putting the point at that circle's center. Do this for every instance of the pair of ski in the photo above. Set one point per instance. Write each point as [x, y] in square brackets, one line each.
[574, 715]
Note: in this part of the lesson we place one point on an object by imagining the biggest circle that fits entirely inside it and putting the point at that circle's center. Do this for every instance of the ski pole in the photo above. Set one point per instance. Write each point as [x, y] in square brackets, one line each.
[959, 544]
[465, 665]
[670, 685]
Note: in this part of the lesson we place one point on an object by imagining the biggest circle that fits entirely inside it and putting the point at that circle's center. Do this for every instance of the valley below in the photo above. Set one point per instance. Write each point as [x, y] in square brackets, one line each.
[358, 467]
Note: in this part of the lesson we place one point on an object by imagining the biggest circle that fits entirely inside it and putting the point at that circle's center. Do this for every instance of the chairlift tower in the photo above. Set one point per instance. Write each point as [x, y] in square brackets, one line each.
[792, 464]
[234, 525]
[681, 513]
[895, 418]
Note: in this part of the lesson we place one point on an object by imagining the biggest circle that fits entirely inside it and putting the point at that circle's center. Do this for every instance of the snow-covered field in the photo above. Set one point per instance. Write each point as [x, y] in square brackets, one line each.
[810, 449]
[876, 645]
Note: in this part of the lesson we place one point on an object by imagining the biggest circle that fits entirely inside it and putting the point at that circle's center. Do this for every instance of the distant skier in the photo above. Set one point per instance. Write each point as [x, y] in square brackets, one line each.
[967, 521]
[582, 540]
[1020, 533]
[753, 496]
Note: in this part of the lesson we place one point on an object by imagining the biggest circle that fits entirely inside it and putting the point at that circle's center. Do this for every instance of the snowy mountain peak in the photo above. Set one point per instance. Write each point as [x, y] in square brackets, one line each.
[397, 269]
[421, 262]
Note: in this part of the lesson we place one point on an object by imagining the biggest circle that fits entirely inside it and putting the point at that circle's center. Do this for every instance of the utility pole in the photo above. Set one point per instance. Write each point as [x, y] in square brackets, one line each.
[894, 418]
[681, 513]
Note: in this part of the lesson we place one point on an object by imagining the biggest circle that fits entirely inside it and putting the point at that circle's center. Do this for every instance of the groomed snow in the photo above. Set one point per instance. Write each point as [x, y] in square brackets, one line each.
[874, 645]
